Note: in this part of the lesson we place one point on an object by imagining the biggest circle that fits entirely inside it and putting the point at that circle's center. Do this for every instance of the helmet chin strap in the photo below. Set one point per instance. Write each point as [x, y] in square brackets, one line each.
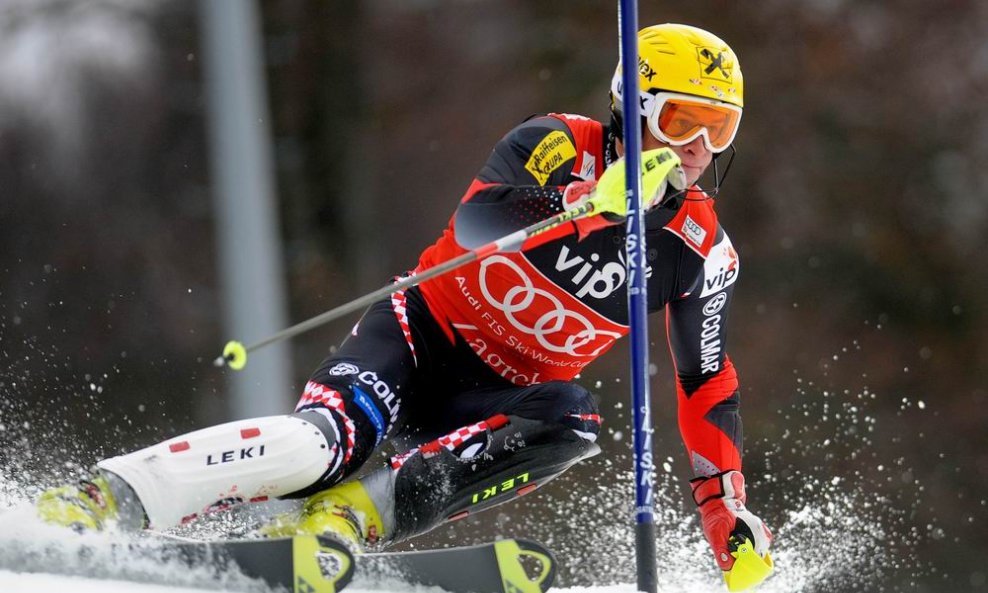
[719, 180]
[676, 199]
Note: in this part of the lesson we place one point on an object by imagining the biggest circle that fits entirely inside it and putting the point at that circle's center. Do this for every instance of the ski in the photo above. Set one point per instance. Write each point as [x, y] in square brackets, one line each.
[502, 566]
[313, 564]
[300, 564]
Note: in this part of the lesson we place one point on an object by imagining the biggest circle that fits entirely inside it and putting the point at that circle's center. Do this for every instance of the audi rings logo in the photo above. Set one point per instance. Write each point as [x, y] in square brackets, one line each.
[539, 313]
[715, 304]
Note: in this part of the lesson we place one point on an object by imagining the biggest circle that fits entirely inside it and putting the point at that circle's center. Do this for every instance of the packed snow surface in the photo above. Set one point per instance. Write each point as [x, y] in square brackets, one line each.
[36, 557]
[837, 525]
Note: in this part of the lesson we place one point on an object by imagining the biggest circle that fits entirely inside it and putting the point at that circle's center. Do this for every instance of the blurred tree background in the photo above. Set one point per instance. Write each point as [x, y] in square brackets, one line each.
[857, 201]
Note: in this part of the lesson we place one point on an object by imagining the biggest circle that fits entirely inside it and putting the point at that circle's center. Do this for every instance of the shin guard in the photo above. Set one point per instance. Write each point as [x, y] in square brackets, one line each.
[217, 467]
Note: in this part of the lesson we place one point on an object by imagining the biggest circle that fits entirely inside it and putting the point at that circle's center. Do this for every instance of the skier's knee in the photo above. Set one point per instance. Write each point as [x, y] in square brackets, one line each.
[564, 403]
[355, 418]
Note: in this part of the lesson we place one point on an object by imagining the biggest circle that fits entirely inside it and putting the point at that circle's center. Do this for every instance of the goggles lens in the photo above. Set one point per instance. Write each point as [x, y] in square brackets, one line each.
[678, 120]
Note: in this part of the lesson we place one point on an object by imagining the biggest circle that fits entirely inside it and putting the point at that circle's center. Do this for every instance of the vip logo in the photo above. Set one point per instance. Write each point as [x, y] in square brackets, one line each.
[724, 278]
[721, 269]
[602, 282]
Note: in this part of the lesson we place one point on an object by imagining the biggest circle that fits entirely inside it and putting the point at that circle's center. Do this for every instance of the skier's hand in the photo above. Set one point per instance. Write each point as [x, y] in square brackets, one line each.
[739, 539]
[577, 194]
[660, 168]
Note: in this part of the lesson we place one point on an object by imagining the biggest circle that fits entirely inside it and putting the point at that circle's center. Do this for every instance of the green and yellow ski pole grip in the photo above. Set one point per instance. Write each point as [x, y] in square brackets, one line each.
[235, 353]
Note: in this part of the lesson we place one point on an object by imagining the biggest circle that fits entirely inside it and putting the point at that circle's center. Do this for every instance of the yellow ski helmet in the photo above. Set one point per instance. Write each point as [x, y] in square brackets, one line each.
[681, 59]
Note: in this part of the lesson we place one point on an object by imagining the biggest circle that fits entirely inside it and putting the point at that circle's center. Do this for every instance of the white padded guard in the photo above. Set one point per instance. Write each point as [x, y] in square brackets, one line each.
[174, 482]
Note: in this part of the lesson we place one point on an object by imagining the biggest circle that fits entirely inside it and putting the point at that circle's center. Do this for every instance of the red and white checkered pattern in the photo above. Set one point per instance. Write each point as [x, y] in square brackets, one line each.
[452, 440]
[399, 460]
[319, 394]
[400, 307]
[461, 435]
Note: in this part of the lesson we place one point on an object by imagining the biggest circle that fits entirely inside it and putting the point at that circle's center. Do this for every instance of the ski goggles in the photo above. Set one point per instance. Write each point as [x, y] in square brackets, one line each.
[678, 119]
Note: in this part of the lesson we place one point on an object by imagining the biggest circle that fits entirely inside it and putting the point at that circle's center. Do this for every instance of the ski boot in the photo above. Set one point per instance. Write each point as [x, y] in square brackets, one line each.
[90, 504]
[344, 512]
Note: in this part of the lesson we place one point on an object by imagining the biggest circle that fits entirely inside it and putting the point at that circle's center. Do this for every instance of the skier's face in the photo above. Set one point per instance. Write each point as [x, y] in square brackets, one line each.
[695, 155]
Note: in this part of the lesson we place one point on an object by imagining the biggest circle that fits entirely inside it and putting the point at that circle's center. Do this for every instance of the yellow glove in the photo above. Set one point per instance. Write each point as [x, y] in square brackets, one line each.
[660, 167]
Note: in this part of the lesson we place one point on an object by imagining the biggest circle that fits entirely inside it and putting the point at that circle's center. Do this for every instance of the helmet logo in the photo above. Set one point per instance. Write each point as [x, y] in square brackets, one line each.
[711, 60]
[645, 99]
[645, 70]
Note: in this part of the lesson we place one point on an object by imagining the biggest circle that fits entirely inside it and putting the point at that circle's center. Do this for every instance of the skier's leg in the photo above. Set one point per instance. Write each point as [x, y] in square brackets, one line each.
[210, 469]
[346, 410]
[532, 435]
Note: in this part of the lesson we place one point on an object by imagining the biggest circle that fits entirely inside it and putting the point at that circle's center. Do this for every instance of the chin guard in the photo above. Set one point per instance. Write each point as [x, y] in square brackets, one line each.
[749, 569]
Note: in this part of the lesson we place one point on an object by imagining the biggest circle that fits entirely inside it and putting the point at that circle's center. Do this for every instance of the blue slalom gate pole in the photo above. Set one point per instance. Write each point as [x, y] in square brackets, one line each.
[637, 301]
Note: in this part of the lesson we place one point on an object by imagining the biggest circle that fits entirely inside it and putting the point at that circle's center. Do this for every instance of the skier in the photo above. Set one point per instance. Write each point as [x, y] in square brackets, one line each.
[473, 372]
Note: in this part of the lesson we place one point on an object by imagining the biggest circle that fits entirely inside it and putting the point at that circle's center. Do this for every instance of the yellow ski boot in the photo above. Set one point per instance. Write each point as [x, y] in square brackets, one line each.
[83, 506]
[344, 511]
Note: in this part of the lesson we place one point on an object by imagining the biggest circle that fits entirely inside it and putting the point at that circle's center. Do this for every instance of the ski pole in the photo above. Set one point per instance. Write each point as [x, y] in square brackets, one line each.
[235, 353]
[645, 550]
